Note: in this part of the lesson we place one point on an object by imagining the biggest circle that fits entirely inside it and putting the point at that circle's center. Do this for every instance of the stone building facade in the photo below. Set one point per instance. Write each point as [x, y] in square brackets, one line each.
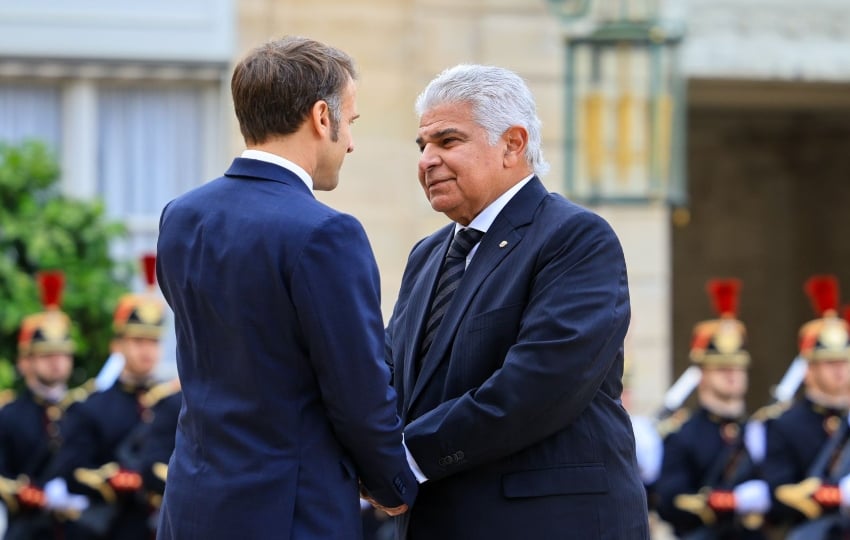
[766, 126]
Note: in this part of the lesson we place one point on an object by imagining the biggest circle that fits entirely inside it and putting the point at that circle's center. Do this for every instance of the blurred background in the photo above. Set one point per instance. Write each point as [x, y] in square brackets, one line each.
[712, 134]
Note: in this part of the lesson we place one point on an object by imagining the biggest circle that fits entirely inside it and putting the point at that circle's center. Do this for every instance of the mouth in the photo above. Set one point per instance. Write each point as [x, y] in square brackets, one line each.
[431, 182]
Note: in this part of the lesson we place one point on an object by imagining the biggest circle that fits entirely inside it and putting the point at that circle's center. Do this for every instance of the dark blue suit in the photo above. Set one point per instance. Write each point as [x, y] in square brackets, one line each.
[515, 416]
[287, 402]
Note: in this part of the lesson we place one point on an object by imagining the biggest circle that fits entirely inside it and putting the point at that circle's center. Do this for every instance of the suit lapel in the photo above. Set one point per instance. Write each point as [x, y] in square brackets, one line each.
[419, 304]
[500, 240]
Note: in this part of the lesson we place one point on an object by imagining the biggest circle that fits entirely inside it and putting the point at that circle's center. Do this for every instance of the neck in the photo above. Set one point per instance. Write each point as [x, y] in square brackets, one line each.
[723, 407]
[135, 380]
[292, 147]
[52, 393]
[829, 401]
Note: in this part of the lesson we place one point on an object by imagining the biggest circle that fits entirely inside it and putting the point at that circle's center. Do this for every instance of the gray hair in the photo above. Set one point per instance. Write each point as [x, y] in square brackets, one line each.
[499, 98]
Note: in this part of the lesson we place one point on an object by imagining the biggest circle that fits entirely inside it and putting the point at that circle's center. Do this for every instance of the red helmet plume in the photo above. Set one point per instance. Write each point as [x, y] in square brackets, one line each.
[51, 283]
[724, 295]
[822, 290]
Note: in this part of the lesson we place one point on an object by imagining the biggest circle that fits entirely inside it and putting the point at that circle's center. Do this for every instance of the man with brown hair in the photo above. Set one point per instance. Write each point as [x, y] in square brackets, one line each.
[287, 408]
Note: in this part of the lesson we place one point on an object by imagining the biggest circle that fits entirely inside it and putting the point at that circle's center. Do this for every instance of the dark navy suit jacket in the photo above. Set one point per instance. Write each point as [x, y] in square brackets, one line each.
[286, 398]
[515, 416]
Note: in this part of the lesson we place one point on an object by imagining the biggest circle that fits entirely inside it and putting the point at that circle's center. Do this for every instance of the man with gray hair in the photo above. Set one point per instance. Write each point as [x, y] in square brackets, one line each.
[506, 340]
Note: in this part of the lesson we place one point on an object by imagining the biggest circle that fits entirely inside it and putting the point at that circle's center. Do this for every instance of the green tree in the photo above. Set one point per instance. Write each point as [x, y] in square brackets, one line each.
[41, 229]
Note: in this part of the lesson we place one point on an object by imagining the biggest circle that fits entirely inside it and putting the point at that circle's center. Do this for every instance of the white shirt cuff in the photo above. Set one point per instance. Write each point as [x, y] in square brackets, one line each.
[417, 472]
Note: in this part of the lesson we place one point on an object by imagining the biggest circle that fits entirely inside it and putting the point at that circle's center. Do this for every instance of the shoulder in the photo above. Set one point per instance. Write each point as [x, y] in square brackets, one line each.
[96, 401]
[160, 393]
[13, 410]
[673, 423]
[201, 192]
[565, 224]
[79, 394]
[558, 208]
[772, 412]
[425, 246]
[7, 396]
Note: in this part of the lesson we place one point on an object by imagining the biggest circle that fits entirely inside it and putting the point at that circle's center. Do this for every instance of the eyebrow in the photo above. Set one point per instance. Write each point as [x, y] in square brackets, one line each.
[440, 134]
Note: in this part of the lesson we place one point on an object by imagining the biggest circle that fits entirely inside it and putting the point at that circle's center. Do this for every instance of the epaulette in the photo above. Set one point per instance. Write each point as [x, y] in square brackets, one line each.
[772, 411]
[673, 423]
[7, 396]
[160, 392]
[79, 393]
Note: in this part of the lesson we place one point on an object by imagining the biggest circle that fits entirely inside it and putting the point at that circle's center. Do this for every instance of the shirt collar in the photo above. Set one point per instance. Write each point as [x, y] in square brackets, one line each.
[485, 219]
[268, 157]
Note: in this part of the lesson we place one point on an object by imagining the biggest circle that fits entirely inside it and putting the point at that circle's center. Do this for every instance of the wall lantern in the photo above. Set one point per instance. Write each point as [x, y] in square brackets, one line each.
[624, 112]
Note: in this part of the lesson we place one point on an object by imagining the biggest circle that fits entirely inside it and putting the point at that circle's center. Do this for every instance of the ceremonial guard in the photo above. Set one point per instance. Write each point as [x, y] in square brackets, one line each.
[806, 464]
[158, 445]
[32, 426]
[103, 454]
[707, 475]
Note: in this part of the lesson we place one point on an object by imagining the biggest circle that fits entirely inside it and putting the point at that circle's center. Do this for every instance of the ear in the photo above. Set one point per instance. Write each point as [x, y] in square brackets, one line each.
[515, 139]
[320, 118]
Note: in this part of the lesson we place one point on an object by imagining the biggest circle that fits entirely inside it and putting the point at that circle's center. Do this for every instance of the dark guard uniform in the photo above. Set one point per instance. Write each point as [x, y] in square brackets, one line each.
[808, 459]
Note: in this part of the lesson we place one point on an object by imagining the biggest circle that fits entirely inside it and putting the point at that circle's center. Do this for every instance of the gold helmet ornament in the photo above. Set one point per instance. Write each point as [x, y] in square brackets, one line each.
[827, 337]
[141, 315]
[49, 331]
[720, 341]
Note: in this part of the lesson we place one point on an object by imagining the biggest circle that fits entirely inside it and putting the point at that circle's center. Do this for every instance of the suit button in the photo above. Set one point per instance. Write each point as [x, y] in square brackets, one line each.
[399, 485]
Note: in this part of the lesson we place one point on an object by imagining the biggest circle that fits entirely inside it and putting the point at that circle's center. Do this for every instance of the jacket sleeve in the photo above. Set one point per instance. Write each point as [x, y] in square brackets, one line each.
[569, 337]
[336, 291]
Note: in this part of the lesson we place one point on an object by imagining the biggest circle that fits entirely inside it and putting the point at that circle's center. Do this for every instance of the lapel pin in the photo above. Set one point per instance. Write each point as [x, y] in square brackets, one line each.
[503, 243]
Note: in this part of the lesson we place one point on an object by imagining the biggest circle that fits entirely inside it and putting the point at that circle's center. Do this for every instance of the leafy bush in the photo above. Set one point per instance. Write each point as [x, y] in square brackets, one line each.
[41, 229]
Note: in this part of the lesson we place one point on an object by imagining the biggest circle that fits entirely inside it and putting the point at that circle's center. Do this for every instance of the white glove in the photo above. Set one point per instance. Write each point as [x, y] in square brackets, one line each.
[752, 497]
[58, 498]
[755, 439]
[4, 519]
[110, 371]
[844, 488]
[649, 449]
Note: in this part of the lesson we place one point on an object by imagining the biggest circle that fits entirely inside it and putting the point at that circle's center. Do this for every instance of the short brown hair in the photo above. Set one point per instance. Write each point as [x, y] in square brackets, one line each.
[275, 86]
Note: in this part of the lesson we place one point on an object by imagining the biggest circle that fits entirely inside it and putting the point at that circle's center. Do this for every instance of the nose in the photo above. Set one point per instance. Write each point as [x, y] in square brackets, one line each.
[428, 158]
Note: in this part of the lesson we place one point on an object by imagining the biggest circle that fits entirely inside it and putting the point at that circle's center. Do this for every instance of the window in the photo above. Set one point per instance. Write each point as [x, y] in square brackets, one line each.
[30, 111]
[136, 144]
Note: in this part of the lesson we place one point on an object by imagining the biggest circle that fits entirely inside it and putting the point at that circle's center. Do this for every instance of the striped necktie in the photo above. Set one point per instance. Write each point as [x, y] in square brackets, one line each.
[452, 270]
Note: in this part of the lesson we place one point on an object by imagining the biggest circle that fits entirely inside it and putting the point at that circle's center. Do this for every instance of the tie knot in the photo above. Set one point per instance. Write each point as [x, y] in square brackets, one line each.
[463, 242]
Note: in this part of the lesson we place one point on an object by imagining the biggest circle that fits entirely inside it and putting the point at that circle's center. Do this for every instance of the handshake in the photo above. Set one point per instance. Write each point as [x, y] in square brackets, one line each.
[394, 511]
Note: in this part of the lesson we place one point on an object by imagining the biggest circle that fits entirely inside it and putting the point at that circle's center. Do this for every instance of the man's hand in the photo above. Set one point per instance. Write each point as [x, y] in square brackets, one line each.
[394, 511]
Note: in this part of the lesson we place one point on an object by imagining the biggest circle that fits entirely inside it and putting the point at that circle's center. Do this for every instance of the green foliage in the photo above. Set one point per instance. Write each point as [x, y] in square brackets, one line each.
[40, 229]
